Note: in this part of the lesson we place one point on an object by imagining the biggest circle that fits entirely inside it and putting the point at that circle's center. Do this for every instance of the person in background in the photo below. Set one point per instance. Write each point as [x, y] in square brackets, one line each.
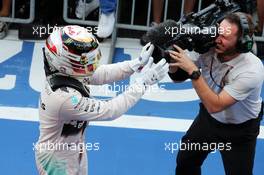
[106, 18]
[157, 9]
[188, 6]
[85, 7]
[259, 27]
[4, 12]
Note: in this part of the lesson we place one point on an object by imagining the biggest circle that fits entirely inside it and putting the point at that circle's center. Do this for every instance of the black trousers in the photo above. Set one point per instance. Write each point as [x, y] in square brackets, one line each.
[236, 143]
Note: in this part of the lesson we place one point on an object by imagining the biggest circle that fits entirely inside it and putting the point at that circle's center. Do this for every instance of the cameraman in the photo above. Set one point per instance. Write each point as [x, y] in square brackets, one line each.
[229, 86]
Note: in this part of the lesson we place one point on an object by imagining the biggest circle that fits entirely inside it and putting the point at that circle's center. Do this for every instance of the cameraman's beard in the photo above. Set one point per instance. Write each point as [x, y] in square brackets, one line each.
[228, 54]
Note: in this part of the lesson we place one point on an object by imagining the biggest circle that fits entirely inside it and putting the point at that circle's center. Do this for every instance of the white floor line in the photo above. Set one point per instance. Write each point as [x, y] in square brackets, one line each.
[126, 121]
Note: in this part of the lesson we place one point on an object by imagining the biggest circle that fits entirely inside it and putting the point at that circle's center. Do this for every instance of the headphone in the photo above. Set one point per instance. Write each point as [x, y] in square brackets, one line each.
[245, 42]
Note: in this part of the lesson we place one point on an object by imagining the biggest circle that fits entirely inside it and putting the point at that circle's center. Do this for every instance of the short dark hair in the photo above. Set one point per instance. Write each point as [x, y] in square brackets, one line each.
[235, 19]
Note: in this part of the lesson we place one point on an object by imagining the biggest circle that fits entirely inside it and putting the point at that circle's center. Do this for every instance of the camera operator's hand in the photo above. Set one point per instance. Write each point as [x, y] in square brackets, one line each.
[182, 60]
[173, 69]
[139, 63]
[153, 73]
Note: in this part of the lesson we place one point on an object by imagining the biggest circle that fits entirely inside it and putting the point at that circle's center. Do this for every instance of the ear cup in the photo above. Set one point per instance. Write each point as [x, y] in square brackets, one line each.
[245, 42]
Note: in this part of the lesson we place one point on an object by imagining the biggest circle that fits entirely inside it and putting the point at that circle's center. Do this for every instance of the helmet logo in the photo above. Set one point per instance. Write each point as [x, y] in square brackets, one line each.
[83, 59]
[94, 44]
[63, 70]
[71, 30]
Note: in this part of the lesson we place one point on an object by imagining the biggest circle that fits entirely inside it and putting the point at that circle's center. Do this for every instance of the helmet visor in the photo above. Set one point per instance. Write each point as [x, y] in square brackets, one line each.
[78, 47]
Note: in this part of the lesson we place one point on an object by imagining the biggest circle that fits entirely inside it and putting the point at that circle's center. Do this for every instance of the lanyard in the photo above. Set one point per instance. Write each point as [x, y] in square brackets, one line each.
[222, 83]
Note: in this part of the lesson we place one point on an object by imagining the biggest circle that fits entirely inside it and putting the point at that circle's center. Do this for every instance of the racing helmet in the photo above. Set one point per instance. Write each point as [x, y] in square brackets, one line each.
[73, 51]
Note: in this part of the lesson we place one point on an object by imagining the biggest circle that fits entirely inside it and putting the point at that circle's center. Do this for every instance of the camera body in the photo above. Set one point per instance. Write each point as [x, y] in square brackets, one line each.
[196, 31]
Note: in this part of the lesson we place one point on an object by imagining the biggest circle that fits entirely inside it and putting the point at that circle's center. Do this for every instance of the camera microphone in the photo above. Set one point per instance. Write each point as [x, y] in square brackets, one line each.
[159, 36]
[162, 33]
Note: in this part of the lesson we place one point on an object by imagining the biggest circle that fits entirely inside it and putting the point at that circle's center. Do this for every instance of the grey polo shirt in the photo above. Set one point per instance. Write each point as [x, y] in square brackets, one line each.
[241, 77]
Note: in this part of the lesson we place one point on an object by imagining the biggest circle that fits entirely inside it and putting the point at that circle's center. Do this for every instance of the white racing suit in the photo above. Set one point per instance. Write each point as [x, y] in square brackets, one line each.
[64, 114]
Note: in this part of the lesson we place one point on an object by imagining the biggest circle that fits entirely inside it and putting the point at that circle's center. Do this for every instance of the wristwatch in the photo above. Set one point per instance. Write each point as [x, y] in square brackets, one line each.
[195, 75]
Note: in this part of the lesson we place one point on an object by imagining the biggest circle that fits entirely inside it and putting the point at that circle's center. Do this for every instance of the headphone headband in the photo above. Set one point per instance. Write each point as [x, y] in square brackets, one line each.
[245, 42]
[243, 23]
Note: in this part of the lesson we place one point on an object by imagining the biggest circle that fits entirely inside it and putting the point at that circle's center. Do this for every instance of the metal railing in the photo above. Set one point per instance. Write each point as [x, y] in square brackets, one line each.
[132, 25]
[13, 19]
